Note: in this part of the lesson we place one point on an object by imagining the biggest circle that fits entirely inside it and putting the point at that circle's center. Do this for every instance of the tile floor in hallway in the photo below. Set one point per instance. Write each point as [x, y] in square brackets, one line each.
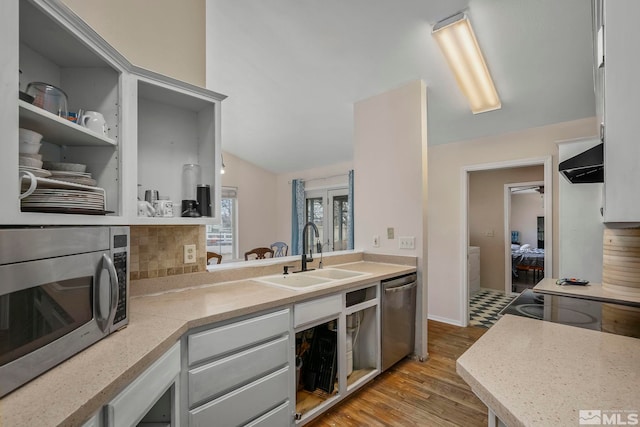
[485, 305]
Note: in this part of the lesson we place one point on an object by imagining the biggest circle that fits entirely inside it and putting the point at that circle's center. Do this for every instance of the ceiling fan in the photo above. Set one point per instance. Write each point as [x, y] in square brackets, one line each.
[537, 188]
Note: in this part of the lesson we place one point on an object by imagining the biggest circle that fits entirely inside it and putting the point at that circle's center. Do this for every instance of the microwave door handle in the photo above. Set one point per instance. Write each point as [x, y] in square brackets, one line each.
[107, 264]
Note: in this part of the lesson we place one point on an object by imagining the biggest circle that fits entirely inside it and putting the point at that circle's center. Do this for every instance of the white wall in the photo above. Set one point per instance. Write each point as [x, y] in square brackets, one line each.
[581, 226]
[443, 213]
[390, 178]
[525, 210]
[257, 209]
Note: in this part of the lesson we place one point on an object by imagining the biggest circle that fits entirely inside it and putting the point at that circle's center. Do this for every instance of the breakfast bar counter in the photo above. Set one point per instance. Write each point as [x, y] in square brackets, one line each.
[533, 372]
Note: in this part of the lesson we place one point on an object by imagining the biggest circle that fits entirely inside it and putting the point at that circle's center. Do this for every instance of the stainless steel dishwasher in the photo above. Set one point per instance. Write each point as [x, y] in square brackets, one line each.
[398, 318]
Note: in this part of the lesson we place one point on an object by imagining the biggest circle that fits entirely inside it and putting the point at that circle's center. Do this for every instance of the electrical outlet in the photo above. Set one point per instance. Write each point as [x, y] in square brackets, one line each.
[390, 233]
[407, 242]
[189, 254]
[375, 241]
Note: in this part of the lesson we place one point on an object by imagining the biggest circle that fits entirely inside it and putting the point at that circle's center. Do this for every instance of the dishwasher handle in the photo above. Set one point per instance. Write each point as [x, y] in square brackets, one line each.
[400, 288]
[400, 280]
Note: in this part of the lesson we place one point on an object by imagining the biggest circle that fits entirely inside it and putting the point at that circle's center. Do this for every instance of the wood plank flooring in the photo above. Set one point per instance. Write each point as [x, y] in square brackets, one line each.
[417, 394]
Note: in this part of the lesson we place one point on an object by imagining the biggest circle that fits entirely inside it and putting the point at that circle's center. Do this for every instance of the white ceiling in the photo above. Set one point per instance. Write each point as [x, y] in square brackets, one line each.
[293, 69]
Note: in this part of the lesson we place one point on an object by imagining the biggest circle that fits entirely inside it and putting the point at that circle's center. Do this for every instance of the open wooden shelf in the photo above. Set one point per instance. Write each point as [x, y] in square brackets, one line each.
[308, 400]
[357, 374]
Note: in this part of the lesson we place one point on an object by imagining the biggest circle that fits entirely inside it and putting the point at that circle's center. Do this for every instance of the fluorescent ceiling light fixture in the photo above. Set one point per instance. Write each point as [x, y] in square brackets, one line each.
[461, 50]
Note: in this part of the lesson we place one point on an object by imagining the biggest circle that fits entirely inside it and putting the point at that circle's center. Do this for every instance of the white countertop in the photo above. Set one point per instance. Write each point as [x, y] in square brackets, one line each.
[593, 291]
[532, 372]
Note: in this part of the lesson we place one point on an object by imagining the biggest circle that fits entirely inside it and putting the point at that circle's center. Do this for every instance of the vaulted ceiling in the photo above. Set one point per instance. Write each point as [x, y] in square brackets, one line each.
[294, 68]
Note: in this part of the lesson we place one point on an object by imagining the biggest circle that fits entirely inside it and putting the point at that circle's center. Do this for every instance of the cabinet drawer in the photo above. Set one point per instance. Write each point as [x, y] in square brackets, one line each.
[208, 344]
[139, 396]
[244, 404]
[309, 311]
[279, 417]
[224, 374]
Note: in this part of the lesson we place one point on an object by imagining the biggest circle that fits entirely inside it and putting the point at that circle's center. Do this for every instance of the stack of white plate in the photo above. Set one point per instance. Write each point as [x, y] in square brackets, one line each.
[38, 172]
[83, 178]
[57, 198]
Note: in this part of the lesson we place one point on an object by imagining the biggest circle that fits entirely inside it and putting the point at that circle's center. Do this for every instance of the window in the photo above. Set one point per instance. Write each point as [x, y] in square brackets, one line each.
[223, 238]
[328, 210]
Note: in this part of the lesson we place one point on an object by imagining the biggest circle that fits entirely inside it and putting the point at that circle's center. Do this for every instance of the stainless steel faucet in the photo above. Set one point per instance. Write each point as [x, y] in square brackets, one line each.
[305, 245]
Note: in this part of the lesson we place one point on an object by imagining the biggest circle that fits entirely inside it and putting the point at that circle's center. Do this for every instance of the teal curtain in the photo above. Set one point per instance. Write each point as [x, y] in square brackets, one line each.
[297, 215]
[350, 213]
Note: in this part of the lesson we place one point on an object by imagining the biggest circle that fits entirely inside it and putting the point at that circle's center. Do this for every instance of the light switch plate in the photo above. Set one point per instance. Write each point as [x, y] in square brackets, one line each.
[189, 254]
[407, 242]
[390, 233]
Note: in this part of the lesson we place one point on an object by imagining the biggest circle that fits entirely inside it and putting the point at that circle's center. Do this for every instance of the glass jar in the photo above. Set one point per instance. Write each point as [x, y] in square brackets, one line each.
[191, 178]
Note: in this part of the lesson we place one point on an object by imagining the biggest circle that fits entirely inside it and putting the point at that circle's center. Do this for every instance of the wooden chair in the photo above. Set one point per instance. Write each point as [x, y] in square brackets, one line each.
[260, 253]
[214, 255]
[280, 249]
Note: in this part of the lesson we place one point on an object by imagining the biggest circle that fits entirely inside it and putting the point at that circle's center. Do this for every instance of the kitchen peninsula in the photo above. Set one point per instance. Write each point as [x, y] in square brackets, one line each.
[75, 390]
[533, 372]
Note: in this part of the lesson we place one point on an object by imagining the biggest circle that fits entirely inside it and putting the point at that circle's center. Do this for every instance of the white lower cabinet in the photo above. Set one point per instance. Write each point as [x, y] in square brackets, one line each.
[245, 404]
[95, 421]
[337, 348]
[240, 373]
[151, 399]
[250, 372]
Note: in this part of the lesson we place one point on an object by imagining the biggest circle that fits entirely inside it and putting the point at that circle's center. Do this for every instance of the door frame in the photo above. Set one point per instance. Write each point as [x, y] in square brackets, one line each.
[547, 162]
[326, 194]
[507, 229]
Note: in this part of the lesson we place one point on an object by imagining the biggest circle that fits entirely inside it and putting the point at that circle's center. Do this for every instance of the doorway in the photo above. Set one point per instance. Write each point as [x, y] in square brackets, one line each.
[328, 209]
[524, 220]
[504, 252]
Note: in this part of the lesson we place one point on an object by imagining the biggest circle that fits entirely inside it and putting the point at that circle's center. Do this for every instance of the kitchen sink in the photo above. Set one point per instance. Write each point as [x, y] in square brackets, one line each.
[294, 281]
[309, 279]
[334, 273]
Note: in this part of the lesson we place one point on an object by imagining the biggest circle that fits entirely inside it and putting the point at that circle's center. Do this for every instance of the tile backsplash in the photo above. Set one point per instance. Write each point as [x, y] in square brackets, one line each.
[157, 251]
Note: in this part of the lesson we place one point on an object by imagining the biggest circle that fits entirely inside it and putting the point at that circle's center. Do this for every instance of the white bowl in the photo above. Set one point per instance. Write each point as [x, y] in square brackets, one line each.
[67, 167]
[29, 161]
[36, 156]
[26, 135]
[29, 148]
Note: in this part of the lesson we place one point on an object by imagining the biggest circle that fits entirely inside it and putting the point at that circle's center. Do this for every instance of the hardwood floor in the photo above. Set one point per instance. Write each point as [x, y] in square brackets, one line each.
[417, 394]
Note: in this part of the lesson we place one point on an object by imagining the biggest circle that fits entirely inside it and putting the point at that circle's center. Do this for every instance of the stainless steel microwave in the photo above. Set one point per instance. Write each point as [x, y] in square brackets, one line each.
[61, 290]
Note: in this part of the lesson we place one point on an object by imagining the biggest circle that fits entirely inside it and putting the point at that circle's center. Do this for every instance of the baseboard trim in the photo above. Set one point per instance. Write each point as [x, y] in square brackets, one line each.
[445, 320]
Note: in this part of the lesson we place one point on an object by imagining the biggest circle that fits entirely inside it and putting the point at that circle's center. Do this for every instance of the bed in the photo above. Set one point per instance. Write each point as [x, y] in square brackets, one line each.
[525, 259]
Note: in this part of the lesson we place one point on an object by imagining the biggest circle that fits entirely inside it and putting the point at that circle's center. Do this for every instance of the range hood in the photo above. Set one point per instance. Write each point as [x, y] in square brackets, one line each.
[586, 167]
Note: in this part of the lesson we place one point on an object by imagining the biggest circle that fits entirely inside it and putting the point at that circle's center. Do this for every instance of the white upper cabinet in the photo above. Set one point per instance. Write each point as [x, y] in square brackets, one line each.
[620, 92]
[154, 123]
[176, 125]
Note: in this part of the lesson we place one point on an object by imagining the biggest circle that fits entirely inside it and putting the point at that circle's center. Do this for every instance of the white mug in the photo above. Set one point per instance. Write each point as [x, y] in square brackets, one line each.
[145, 209]
[94, 121]
[33, 183]
[164, 208]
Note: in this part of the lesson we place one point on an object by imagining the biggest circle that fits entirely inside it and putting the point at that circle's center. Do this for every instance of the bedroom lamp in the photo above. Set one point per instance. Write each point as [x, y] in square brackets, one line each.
[462, 52]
